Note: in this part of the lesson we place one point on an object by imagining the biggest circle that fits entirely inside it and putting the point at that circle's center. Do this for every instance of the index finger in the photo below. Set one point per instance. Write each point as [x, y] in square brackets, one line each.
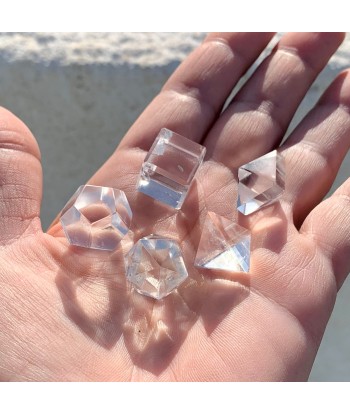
[194, 95]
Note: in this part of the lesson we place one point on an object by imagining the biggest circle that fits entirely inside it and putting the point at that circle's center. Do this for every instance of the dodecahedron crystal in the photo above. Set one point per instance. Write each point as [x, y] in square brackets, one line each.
[223, 245]
[261, 182]
[96, 217]
[155, 266]
[169, 168]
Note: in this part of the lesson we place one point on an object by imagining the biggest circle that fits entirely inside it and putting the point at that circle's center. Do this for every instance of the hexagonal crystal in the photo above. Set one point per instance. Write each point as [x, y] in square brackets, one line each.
[169, 168]
[261, 182]
[96, 217]
[155, 266]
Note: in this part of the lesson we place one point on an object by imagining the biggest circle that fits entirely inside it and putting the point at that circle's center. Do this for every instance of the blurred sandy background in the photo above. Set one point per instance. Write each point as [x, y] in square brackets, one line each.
[80, 92]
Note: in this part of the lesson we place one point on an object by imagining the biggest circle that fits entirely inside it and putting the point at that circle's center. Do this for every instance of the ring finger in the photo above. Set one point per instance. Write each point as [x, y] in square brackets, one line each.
[256, 120]
[316, 149]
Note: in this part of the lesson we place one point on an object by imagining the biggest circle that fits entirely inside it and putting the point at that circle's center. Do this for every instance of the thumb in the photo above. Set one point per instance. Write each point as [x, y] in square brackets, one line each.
[20, 179]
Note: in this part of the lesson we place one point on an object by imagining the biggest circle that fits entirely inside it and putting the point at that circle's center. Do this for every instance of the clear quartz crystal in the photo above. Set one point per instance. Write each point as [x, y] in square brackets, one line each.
[224, 245]
[169, 168]
[155, 266]
[261, 182]
[96, 217]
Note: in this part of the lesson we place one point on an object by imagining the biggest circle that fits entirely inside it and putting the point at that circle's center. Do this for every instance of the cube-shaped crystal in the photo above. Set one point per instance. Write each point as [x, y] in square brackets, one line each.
[169, 168]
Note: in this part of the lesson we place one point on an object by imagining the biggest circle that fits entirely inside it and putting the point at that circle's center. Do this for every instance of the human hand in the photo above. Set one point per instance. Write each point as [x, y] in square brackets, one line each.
[67, 313]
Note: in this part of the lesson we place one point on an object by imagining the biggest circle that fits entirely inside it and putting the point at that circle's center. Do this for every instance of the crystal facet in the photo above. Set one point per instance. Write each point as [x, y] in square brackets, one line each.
[261, 182]
[96, 217]
[155, 266]
[224, 245]
[169, 168]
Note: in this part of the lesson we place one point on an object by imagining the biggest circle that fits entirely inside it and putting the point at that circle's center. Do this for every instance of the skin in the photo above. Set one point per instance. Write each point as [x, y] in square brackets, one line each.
[67, 313]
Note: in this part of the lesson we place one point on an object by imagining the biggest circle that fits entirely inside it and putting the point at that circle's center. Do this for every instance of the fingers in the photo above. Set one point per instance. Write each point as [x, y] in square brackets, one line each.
[315, 151]
[259, 115]
[329, 226]
[194, 95]
[20, 179]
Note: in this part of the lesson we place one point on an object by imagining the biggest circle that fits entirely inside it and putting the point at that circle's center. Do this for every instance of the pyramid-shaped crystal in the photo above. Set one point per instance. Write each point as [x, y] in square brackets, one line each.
[96, 217]
[224, 245]
[155, 266]
[261, 182]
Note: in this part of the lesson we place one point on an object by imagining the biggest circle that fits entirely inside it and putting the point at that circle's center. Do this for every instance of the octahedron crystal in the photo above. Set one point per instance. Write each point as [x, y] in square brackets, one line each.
[96, 217]
[261, 182]
[169, 168]
[223, 245]
[155, 266]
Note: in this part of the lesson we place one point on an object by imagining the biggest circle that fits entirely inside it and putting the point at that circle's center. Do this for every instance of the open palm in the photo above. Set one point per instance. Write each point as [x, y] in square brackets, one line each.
[67, 313]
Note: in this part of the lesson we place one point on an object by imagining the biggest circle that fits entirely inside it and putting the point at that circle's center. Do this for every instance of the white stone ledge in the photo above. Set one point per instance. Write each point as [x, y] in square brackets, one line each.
[116, 49]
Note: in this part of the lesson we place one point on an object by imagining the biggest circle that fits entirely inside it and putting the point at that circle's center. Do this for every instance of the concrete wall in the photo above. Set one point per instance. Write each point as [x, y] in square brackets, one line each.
[80, 92]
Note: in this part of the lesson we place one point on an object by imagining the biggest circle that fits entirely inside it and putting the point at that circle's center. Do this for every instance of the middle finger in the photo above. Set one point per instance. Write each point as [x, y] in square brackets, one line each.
[256, 120]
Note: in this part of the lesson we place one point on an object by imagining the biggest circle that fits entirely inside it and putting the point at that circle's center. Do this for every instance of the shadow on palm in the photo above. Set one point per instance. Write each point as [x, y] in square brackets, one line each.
[97, 298]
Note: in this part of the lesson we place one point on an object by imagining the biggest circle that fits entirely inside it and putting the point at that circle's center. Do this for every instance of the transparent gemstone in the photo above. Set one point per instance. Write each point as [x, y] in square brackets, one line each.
[169, 168]
[155, 266]
[224, 245]
[261, 182]
[96, 217]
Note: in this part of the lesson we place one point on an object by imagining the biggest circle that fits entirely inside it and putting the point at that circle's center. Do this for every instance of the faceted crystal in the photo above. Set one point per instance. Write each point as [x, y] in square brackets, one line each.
[261, 182]
[169, 168]
[224, 245]
[155, 266]
[96, 217]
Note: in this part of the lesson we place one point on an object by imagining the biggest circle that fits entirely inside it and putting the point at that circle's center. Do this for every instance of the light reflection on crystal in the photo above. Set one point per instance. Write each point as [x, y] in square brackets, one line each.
[224, 245]
[169, 168]
[261, 182]
[96, 217]
[155, 266]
